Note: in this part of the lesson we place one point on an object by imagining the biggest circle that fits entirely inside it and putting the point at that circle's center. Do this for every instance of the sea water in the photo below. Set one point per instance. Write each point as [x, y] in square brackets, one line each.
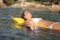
[8, 33]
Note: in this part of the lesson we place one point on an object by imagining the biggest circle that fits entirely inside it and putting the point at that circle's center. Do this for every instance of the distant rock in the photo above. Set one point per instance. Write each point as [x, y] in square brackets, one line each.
[32, 5]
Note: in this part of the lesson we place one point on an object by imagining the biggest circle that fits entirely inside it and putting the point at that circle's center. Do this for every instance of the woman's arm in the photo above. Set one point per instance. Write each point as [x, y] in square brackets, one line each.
[45, 23]
[49, 24]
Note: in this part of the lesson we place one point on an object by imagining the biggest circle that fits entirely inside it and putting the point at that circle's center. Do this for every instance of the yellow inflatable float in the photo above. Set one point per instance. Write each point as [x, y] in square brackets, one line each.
[17, 22]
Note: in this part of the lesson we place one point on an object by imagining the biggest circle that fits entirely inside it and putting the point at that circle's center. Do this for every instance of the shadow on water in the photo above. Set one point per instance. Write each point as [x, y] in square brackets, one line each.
[8, 33]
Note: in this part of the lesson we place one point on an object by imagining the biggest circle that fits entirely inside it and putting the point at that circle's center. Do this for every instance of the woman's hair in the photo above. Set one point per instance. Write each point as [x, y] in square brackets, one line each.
[22, 16]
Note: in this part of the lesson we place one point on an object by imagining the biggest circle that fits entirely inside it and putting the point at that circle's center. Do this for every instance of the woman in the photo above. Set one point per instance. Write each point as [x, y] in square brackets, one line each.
[31, 23]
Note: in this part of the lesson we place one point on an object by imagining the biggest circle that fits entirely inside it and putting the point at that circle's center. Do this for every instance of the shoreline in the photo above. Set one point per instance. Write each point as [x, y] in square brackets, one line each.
[34, 6]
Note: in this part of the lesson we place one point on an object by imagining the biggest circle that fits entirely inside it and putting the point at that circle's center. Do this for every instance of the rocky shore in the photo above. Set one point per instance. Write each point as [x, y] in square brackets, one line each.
[32, 5]
[35, 6]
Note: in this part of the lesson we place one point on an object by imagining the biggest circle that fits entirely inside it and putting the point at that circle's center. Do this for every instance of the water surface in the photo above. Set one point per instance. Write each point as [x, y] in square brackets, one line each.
[9, 33]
